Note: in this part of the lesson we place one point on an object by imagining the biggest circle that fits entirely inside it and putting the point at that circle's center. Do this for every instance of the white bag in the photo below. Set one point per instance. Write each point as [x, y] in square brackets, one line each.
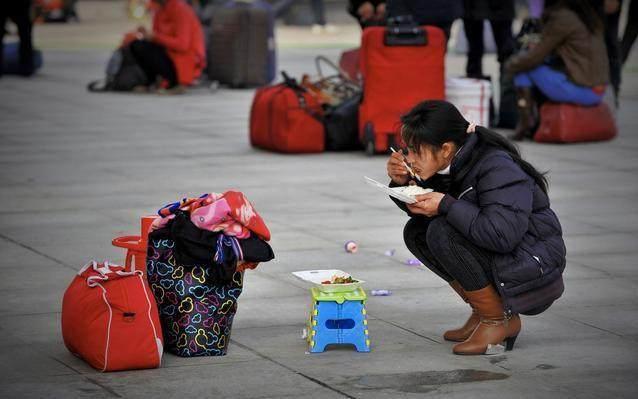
[471, 97]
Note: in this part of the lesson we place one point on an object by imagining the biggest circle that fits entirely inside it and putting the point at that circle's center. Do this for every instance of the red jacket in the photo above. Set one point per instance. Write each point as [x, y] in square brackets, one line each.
[176, 27]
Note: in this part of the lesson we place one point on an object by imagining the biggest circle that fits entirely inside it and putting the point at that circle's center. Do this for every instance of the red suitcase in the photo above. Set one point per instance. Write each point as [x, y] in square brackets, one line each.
[571, 123]
[401, 66]
[286, 118]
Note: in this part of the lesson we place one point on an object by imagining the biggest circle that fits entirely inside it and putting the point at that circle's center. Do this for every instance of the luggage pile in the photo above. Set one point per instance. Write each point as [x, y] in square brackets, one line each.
[312, 115]
[399, 65]
[179, 295]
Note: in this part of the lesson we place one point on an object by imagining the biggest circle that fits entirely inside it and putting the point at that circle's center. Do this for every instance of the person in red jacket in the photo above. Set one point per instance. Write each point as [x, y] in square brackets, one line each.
[174, 51]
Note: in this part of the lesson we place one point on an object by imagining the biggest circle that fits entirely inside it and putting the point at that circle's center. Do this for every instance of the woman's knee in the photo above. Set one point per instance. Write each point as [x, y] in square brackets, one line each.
[413, 228]
[522, 80]
[439, 235]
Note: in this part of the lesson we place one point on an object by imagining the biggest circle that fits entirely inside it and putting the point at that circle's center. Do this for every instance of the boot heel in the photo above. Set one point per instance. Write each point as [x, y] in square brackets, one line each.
[509, 343]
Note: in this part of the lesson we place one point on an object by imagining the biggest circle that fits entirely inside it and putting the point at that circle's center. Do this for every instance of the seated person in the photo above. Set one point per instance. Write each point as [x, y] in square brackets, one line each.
[174, 51]
[367, 12]
[569, 64]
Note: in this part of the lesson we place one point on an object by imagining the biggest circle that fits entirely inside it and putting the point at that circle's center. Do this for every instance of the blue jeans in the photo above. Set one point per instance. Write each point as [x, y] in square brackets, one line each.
[557, 87]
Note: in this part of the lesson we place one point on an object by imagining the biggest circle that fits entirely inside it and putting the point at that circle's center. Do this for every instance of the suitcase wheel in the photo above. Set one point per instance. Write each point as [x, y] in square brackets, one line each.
[368, 139]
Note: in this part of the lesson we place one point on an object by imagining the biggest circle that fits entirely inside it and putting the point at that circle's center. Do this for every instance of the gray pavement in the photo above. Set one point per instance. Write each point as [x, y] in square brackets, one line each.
[78, 169]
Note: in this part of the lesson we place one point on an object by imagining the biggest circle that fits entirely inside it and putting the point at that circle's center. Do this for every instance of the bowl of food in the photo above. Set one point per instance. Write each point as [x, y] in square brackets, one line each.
[331, 280]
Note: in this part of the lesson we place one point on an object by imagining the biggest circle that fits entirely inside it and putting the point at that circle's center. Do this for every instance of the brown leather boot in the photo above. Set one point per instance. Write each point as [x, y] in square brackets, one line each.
[526, 114]
[461, 334]
[494, 327]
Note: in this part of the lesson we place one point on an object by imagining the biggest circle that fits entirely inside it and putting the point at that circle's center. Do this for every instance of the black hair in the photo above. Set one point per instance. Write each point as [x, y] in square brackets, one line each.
[590, 12]
[435, 122]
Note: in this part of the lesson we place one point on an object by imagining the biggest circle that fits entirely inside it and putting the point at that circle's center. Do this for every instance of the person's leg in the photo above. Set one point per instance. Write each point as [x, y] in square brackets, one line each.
[613, 51]
[462, 260]
[22, 20]
[502, 31]
[154, 61]
[535, 8]
[471, 266]
[3, 22]
[523, 80]
[414, 235]
[474, 34]
[631, 30]
[446, 27]
[525, 106]
[281, 6]
[557, 87]
[318, 11]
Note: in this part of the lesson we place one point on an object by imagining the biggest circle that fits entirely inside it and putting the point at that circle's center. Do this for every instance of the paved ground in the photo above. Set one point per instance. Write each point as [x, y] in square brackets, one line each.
[78, 169]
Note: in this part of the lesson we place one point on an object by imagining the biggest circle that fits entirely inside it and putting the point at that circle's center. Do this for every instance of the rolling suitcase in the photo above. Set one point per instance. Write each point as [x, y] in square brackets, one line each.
[241, 45]
[402, 65]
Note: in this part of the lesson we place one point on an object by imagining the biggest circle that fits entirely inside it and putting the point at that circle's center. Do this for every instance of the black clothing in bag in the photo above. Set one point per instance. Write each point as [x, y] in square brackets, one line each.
[197, 246]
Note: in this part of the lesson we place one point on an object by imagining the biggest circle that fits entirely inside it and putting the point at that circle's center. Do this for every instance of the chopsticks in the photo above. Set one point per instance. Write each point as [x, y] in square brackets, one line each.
[407, 166]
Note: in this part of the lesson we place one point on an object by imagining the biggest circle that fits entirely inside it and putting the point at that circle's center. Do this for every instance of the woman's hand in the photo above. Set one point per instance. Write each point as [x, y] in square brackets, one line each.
[366, 11]
[380, 12]
[427, 204]
[397, 170]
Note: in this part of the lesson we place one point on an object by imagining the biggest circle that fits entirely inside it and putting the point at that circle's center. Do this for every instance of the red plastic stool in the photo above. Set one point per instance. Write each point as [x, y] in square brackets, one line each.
[136, 246]
[571, 123]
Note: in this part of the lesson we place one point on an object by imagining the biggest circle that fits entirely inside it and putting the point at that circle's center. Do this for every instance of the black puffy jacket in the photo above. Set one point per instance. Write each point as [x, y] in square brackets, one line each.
[498, 207]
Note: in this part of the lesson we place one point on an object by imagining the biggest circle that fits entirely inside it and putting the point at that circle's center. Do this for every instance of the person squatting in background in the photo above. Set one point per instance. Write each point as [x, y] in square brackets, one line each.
[487, 229]
[569, 64]
[18, 11]
[174, 51]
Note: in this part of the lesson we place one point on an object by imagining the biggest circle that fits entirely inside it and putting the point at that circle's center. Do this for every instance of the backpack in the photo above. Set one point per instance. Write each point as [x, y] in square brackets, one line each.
[122, 73]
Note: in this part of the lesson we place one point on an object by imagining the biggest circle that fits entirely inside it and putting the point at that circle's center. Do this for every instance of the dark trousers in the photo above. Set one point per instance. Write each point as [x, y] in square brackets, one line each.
[318, 9]
[631, 30]
[502, 30]
[447, 253]
[613, 50]
[154, 61]
[18, 11]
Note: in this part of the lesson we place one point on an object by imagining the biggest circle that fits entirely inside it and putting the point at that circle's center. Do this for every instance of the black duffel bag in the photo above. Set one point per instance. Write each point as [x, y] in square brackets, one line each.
[341, 115]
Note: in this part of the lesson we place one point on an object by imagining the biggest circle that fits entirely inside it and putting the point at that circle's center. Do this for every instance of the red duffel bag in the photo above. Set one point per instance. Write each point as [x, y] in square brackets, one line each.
[110, 319]
[571, 123]
[287, 118]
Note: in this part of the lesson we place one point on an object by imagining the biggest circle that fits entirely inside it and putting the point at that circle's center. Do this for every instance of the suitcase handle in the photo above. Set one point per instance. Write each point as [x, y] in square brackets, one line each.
[403, 31]
[128, 242]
